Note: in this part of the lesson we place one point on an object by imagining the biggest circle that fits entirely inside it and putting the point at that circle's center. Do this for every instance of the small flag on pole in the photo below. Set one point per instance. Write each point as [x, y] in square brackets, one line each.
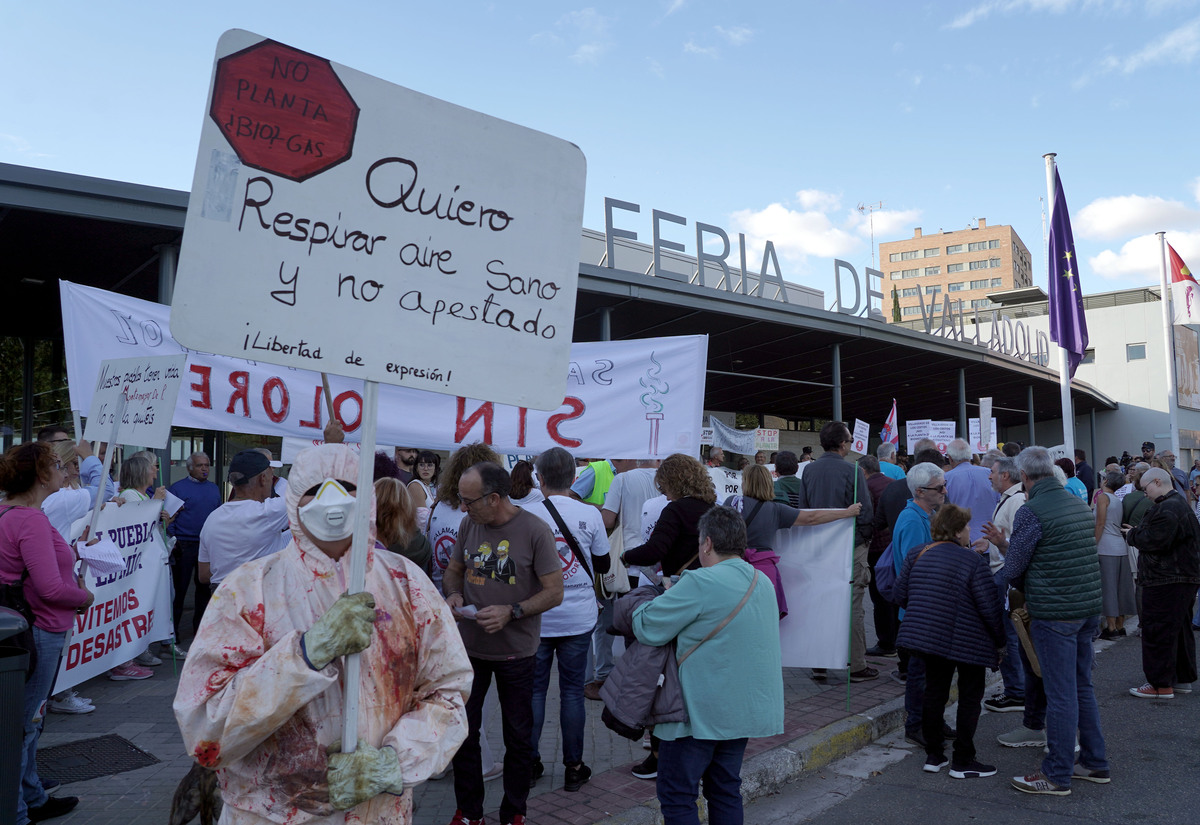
[1068, 327]
[1185, 291]
[890, 431]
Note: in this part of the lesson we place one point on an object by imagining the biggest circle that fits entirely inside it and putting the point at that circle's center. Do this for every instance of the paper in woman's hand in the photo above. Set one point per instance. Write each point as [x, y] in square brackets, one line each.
[104, 557]
[172, 503]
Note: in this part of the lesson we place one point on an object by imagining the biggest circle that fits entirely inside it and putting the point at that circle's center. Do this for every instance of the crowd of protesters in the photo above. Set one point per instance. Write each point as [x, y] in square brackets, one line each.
[1008, 560]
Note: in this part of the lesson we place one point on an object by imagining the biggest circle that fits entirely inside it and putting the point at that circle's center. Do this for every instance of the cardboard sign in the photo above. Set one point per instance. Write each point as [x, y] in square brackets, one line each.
[814, 565]
[914, 431]
[862, 434]
[150, 386]
[943, 433]
[978, 443]
[706, 436]
[346, 225]
[132, 606]
[766, 440]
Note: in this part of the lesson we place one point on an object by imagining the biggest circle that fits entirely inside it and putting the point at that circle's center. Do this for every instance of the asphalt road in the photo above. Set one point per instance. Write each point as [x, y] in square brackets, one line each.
[1153, 749]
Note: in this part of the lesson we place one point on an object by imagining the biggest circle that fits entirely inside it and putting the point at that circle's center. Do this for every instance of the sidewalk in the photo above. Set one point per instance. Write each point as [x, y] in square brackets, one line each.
[819, 729]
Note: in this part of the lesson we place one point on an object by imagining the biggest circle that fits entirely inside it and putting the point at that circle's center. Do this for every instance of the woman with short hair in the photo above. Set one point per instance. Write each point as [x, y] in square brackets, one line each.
[952, 621]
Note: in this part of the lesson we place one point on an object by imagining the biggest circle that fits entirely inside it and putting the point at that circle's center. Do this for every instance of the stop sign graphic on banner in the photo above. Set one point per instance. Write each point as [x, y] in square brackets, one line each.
[283, 110]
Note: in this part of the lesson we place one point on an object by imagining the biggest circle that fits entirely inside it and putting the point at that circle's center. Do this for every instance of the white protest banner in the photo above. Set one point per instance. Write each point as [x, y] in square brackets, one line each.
[132, 606]
[624, 399]
[914, 431]
[766, 440]
[150, 385]
[814, 567]
[978, 444]
[343, 224]
[726, 482]
[729, 438]
[943, 433]
[862, 434]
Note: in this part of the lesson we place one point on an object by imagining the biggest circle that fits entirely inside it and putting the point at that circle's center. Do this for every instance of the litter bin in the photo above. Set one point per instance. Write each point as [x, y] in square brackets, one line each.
[13, 661]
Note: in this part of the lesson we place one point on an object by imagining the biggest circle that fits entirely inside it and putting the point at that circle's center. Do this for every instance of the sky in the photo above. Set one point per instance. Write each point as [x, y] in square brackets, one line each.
[788, 121]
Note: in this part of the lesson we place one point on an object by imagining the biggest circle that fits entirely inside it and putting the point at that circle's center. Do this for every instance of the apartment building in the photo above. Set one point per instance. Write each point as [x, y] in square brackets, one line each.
[963, 265]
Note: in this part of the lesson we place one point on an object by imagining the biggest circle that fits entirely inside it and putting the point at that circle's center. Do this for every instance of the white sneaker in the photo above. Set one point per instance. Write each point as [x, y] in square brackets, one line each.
[176, 651]
[147, 659]
[71, 703]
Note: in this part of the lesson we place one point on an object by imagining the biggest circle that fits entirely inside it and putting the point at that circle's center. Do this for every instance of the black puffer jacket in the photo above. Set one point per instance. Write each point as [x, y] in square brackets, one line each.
[951, 607]
[1168, 541]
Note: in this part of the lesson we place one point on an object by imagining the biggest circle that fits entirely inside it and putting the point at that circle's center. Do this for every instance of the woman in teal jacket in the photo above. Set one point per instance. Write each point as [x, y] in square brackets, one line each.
[732, 682]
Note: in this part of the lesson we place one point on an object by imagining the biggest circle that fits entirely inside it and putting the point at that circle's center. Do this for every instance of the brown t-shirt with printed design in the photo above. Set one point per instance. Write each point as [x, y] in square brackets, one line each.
[502, 565]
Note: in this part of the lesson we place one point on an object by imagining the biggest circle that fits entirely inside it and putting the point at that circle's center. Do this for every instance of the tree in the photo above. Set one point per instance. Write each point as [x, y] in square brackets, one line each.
[895, 306]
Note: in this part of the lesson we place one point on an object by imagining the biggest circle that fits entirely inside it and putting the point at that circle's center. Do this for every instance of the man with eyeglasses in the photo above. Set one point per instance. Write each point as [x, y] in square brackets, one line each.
[200, 498]
[500, 623]
[834, 482]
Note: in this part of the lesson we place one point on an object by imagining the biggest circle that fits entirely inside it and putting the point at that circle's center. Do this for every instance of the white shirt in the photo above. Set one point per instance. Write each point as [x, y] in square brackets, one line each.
[1006, 510]
[629, 491]
[64, 506]
[242, 531]
[577, 612]
[443, 535]
[651, 510]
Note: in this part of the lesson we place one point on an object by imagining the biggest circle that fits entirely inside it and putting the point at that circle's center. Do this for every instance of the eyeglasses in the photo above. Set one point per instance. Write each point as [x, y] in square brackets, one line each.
[941, 488]
[467, 502]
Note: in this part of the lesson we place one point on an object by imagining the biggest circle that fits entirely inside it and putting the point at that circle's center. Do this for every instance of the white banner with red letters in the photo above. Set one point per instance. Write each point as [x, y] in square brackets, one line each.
[132, 607]
[815, 568]
[625, 399]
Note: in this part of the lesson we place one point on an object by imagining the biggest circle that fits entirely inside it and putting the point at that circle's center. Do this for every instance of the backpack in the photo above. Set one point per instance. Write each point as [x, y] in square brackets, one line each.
[885, 574]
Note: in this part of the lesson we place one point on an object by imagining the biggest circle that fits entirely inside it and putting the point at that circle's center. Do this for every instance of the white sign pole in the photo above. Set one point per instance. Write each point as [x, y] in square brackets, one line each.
[108, 457]
[358, 556]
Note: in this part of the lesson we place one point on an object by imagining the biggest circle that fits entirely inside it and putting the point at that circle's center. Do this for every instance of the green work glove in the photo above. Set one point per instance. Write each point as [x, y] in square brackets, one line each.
[356, 777]
[345, 628]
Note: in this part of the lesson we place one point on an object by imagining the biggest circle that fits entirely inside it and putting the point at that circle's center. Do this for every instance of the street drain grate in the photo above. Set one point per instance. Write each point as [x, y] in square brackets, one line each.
[90, 758]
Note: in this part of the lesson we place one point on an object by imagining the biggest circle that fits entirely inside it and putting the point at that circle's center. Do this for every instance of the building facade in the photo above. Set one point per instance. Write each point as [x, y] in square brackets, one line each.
[961, 266]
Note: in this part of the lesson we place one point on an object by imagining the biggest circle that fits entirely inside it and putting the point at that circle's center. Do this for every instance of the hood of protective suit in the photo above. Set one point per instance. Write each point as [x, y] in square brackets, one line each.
[312, 466]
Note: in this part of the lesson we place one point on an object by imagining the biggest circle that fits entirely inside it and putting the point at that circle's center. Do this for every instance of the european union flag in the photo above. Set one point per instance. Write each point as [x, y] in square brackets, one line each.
[1068, 327]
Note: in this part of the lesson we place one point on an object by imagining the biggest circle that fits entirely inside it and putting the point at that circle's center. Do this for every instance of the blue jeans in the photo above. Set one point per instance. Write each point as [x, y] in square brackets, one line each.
[682, 763]
[37, 691]
[1064, 649]
[603, 660]
[1010, 666]
[572, 673]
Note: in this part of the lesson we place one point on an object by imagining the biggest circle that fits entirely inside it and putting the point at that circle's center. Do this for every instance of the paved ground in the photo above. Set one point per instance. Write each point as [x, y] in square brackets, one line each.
[823, 722]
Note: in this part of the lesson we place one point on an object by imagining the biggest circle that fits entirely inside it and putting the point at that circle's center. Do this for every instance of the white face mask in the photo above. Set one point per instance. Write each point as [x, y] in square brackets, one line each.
[330, 515]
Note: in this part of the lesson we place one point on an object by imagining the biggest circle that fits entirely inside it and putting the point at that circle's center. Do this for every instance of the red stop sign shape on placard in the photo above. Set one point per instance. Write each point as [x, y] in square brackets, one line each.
[283, 110]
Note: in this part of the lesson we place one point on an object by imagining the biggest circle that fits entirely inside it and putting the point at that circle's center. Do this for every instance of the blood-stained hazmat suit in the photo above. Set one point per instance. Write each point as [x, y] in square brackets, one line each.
[253, 706]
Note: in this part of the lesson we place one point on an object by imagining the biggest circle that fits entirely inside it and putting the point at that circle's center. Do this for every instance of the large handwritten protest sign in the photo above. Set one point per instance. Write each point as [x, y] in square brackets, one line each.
[634, 399]
[132, 607]
[815, 568]
[343, 224]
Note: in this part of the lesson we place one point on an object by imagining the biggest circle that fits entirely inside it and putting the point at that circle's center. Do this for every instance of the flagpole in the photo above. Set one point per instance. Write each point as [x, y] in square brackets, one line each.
[1168, 343]
[1064, 364]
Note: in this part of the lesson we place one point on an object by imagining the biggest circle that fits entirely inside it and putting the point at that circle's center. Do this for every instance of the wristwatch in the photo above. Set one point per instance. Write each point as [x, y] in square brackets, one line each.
[517, 611]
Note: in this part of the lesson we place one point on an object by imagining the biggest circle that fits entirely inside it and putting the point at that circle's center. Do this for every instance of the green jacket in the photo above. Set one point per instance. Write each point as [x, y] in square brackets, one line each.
[1062, 582]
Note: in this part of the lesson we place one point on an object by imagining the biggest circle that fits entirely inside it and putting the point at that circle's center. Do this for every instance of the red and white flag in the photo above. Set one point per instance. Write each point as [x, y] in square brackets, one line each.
[1185, 291]
[890, 431]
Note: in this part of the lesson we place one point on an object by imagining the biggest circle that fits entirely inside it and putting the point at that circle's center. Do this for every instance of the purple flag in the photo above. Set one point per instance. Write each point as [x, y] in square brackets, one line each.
[1068, 327]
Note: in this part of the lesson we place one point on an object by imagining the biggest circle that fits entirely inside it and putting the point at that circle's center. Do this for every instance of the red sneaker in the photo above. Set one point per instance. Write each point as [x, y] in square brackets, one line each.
[460, 819]
[1148, 691]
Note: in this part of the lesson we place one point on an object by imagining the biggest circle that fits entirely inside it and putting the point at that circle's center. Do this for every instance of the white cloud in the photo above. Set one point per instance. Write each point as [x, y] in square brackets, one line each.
[1139, 260]
[588, 52]
[675, 6]
[1196, 189]
[655, 68]
[815, 199]
[736, 35]
[692, 47]
[984, 10]
[1125, 215]
[583, 33]
[1179, 46]
[888, 223]
[796, 234]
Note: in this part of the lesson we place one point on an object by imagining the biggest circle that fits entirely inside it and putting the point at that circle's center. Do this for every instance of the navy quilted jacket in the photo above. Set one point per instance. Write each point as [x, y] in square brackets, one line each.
[951, 607]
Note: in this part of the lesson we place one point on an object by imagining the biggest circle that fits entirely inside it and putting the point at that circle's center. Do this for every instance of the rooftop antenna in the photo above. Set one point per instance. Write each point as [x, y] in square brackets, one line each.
[868, 209]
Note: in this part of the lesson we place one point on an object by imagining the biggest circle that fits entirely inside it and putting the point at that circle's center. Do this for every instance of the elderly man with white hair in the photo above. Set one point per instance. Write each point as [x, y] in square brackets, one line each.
[969, 486]
[1168, 541]
[886, 453]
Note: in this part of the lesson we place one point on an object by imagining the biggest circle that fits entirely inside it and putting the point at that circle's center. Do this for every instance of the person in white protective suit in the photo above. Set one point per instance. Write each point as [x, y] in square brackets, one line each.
[260, 697]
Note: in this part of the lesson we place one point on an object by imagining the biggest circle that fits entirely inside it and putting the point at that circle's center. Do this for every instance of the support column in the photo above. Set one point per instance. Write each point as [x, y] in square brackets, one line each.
[27, 346]
[1093, 439]
[837, 382]
[167, 257]
[1031, 439]
[605, 323]
[964, 430]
